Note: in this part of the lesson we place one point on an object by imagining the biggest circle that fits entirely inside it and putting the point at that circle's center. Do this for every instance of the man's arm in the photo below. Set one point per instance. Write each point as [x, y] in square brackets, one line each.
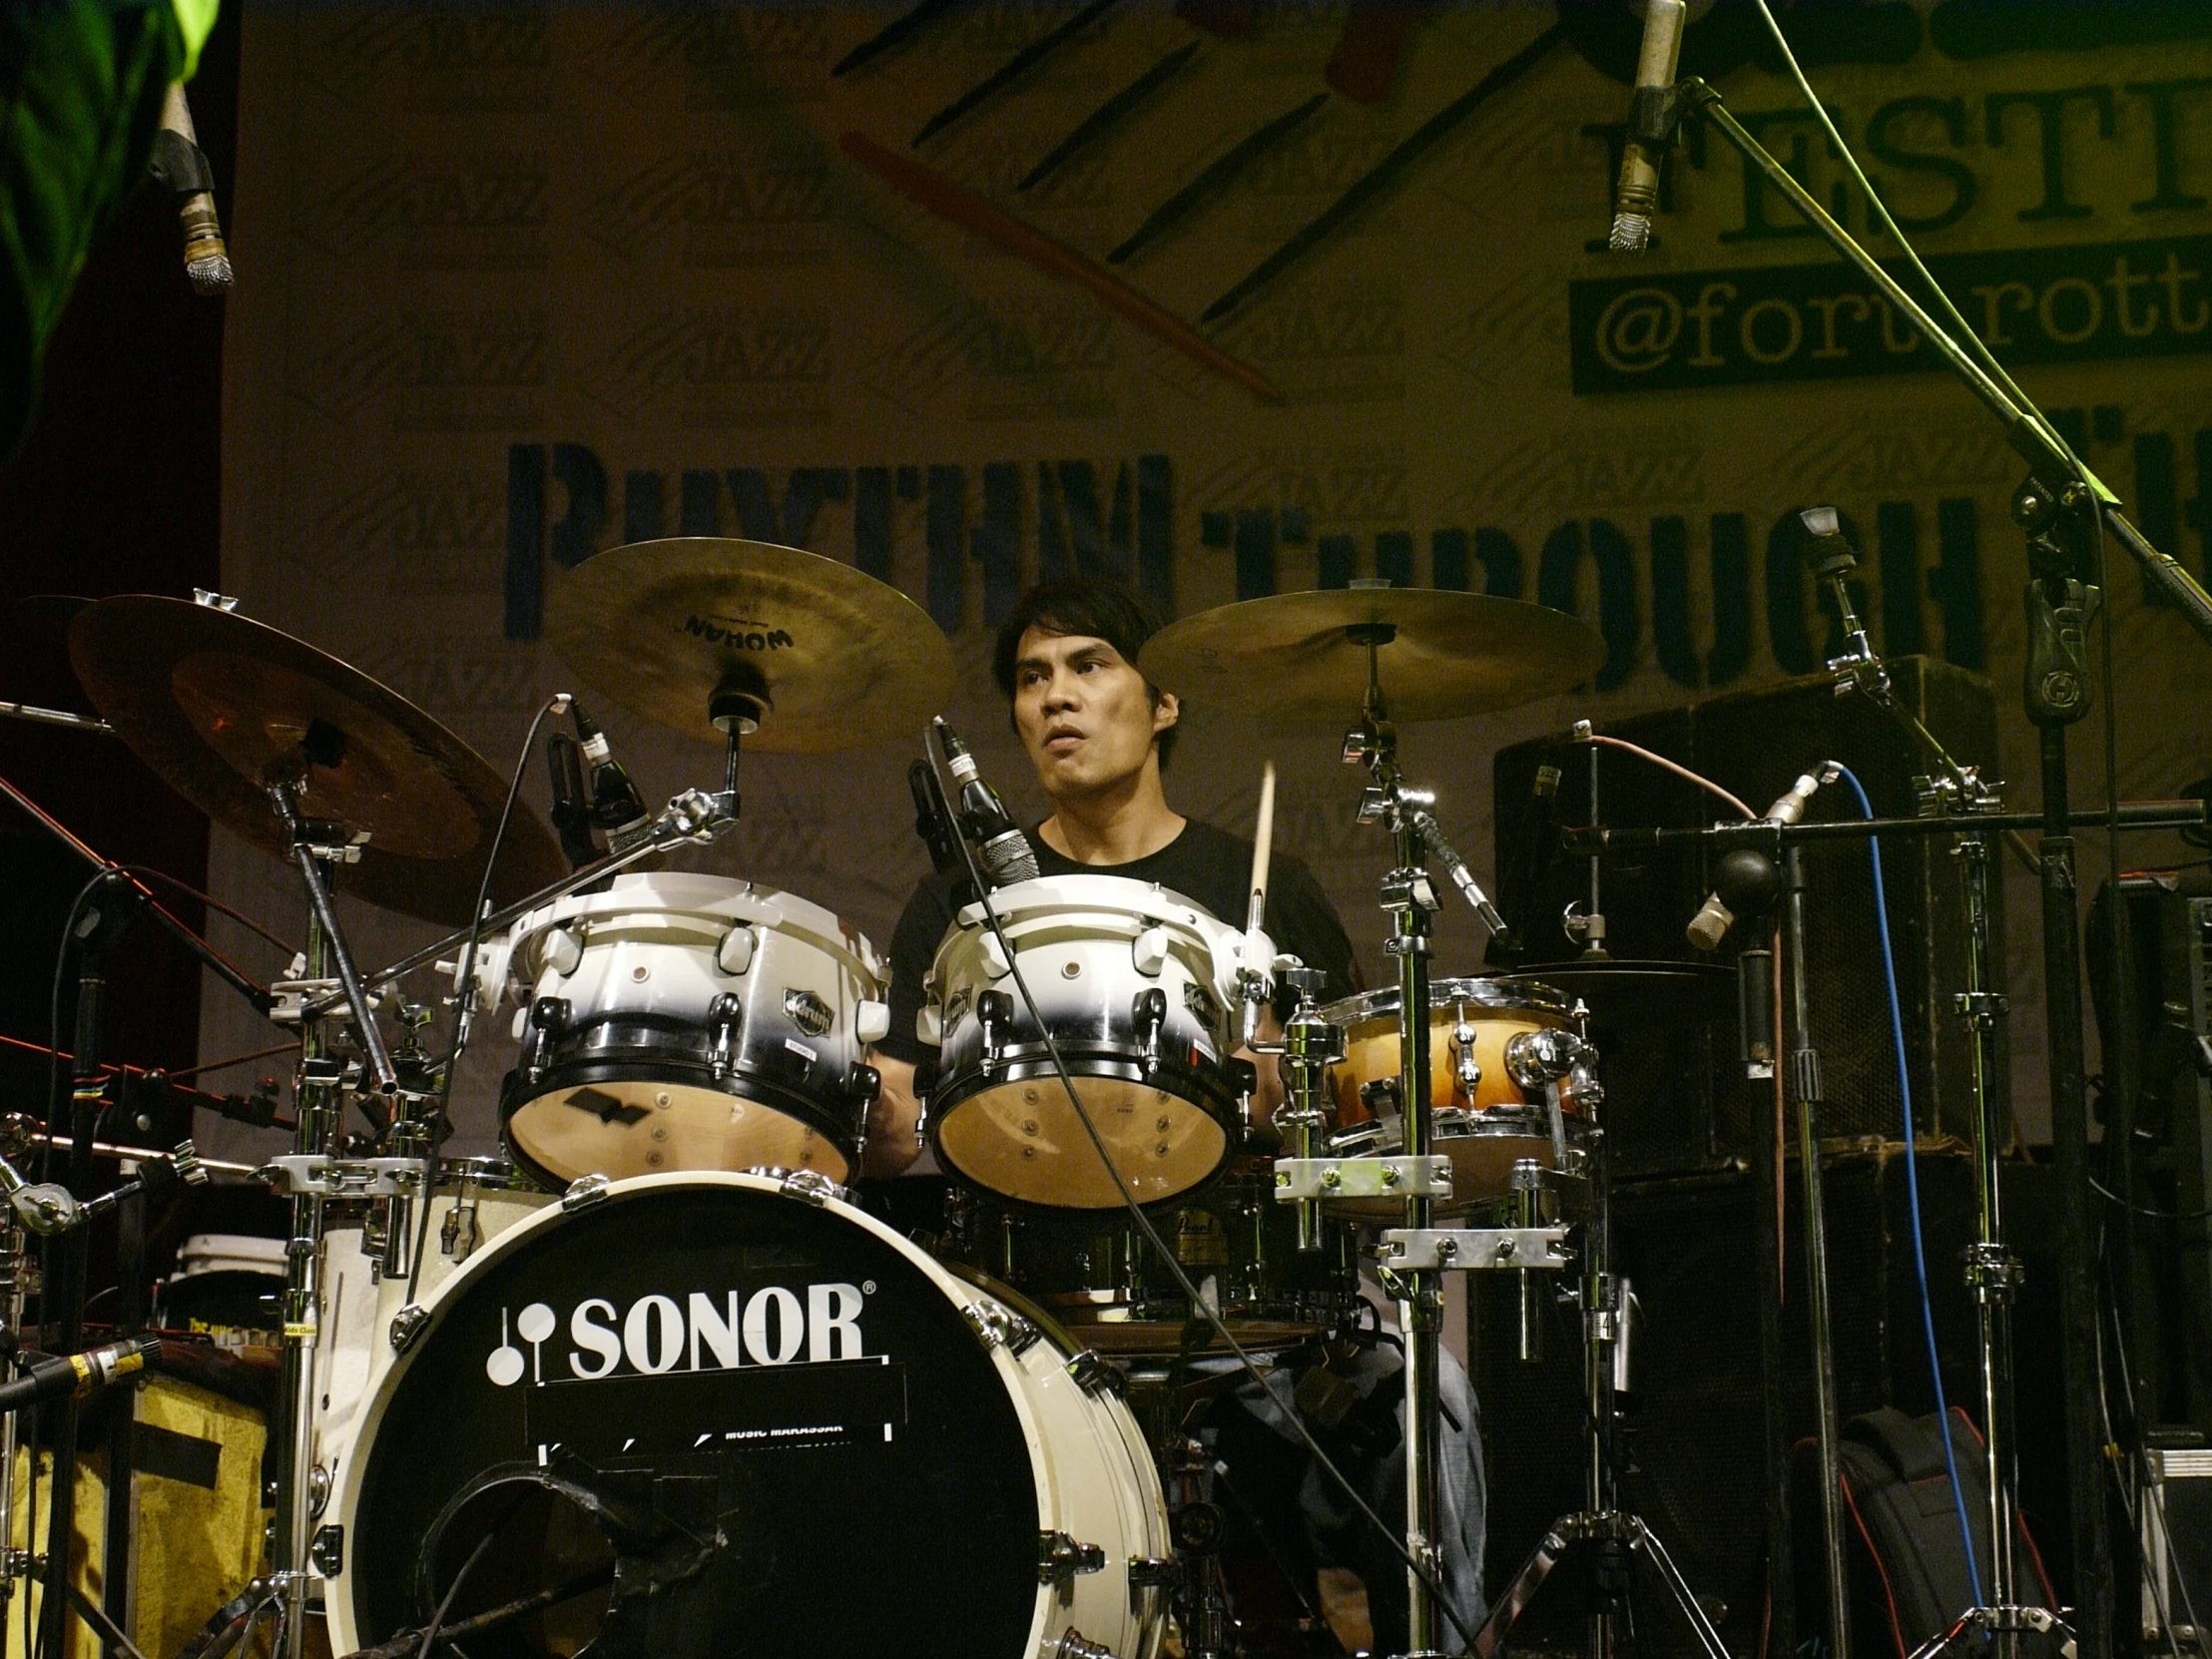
[893, 1121]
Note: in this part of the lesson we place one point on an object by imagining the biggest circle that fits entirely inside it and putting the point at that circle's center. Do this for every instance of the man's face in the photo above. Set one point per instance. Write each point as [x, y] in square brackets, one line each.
[1083, 712]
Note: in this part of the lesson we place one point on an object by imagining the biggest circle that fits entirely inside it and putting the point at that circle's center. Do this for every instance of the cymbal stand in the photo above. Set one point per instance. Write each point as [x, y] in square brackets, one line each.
[1992, 1272]
[1412, 1260]
[317, 849]
[1602, 1531]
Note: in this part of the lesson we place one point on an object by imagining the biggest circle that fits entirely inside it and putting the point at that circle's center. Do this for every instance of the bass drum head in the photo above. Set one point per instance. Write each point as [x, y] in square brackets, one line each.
[704, 1357]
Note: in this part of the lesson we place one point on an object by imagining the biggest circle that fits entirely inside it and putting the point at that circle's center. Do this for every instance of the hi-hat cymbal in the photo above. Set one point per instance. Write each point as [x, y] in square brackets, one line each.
[824, 656]
[219, 705]
[1304, 655]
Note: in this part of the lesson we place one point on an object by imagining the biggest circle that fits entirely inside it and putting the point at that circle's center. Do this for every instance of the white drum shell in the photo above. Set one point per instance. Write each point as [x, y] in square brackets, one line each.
[1095, 1478]
[353, 1340]
[662, 946]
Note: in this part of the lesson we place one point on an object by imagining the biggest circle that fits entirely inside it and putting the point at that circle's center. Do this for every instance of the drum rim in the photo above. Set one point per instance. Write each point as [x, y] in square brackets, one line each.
[771, 1095]
[1016, 899]
[1486, 993]
[346, 1488]
[819, 927]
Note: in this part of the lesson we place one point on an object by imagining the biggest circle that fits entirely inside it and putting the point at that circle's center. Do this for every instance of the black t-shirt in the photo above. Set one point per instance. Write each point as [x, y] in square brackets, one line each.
[1207, 865]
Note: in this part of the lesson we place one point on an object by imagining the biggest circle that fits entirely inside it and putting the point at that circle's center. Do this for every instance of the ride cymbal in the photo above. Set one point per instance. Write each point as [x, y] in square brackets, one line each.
[219, 706]
[692, 630]
[1304, 655]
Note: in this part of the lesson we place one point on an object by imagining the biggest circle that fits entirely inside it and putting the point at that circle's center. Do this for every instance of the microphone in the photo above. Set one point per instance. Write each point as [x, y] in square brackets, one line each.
[930, 823]
[1736, 872]
[1636, 195]
[180, 165]
[1002, 850]
[615, 807]
[47, 1378]
[571, 813]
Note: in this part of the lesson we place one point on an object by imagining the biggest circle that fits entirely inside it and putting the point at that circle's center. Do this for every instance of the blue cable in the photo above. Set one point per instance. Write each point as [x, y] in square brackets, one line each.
[1912, 1184]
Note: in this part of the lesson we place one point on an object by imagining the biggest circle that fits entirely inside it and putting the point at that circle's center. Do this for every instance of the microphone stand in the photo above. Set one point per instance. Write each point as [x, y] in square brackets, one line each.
[2060, 492]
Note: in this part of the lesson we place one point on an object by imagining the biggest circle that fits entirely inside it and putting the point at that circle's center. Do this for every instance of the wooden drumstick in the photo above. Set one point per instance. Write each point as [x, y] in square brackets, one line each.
[1262, 847]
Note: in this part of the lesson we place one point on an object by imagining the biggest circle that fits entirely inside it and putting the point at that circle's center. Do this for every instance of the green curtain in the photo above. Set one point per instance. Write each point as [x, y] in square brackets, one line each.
[81, 90]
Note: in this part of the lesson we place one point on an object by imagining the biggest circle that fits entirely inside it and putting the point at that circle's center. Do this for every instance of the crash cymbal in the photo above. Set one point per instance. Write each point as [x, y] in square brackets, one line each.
[217, 704]
[1303, 656]
[822, 656]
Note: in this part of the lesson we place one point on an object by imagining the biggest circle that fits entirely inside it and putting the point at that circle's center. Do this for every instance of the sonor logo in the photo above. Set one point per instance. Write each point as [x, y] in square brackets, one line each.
[774, 1325]
[744, 636]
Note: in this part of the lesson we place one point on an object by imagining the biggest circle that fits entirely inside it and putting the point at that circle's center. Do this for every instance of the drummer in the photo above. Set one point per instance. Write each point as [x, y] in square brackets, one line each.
[1099, 735]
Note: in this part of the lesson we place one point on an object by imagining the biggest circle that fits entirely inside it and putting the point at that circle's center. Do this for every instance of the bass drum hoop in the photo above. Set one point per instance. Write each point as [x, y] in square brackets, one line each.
[1027, 1381]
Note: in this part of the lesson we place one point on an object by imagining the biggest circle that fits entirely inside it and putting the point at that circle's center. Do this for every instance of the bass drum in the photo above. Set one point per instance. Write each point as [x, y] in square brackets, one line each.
[696, 1414]
[476, 1200]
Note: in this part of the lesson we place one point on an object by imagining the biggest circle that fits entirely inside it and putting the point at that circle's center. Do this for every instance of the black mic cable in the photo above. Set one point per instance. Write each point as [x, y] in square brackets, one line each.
[47, 1378]
[1650, 125]
[1004, 851]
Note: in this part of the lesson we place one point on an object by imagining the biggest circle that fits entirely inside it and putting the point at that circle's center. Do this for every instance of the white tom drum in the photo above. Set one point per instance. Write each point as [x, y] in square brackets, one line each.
[679, 1022]
[1138, 986]
[725, 1413]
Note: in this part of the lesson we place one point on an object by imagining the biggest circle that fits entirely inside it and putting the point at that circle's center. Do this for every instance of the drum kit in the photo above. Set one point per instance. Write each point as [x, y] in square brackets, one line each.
[652, 1382]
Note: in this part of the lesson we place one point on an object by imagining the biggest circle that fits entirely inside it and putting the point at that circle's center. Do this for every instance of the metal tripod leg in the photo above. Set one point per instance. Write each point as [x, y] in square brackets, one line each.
[1513, 1600]
[1568, 1533]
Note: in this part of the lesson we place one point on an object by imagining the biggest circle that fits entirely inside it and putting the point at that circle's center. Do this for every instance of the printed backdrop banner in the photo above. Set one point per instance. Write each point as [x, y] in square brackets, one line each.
[518, 284]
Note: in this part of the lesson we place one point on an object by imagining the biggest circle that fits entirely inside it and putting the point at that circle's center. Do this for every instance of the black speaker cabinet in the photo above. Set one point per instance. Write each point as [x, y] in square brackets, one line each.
[1755, 744]
[1694, 1460]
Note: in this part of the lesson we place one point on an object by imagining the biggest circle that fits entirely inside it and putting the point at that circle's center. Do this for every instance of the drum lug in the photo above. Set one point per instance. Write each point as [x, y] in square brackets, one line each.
[724, 1015]
[1465, 1073]
[327, 1551]
[1094, 1374]
[1072, 1644]
[407, 1324]
[1150, 1012]
[549, 1017]
[1060, 1558]
[994, 1013]
[584, 1190]
[1147, 952]
[995, 1326]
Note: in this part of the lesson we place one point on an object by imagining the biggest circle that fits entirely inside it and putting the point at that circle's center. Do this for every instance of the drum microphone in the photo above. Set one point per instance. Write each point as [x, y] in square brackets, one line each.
[571, 813]
[1636, 195]
[616, 806]
[1000, 846]
[1711, 923]
[930, 823]
[47, 1378]
[179, 163]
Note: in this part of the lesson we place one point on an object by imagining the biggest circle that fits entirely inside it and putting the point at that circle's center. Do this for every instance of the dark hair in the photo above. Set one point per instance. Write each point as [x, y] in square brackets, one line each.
[1094, 609]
